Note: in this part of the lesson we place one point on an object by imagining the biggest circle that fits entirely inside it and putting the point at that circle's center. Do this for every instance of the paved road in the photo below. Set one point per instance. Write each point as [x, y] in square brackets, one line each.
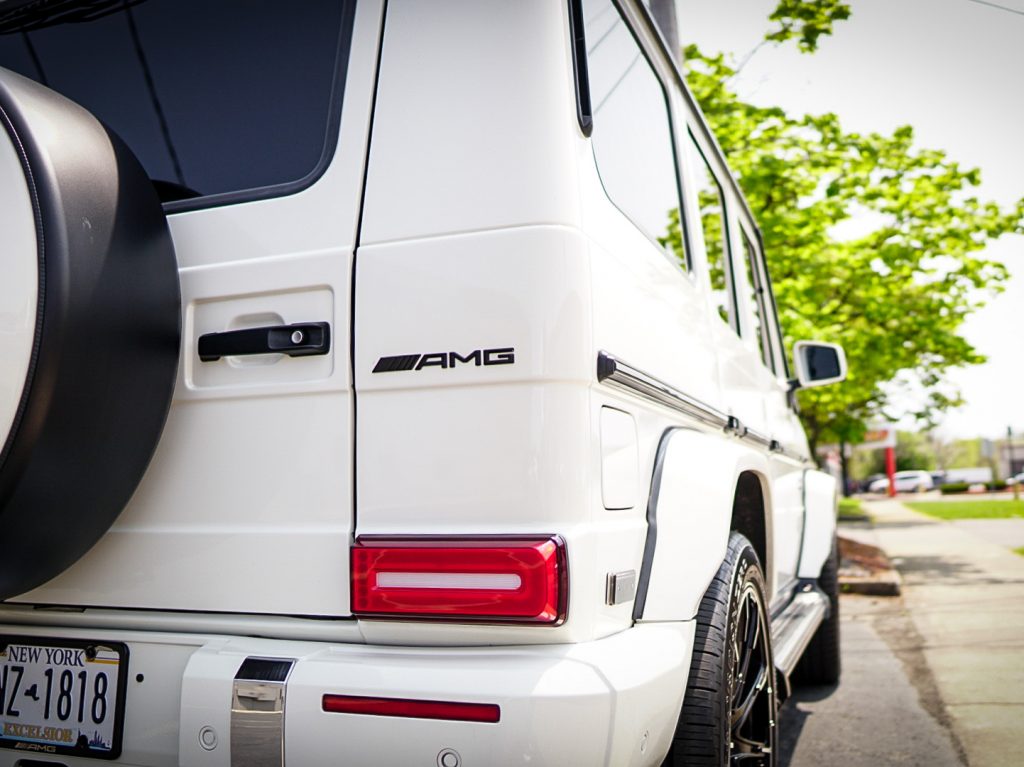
[883, 710]
[965, 599]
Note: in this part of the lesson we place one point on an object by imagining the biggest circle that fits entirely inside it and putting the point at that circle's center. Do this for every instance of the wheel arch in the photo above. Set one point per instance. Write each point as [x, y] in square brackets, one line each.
[751, 515]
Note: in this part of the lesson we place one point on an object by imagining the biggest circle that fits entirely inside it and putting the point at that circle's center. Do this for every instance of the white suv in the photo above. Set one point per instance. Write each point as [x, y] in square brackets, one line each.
[910, 481]
[386, 382]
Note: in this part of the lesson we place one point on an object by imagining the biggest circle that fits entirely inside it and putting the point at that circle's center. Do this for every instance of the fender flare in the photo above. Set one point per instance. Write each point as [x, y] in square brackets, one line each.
[689, 514]
[821, 497]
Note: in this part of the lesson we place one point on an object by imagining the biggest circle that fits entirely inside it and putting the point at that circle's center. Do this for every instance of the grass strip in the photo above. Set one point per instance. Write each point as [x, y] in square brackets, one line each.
[969, 509]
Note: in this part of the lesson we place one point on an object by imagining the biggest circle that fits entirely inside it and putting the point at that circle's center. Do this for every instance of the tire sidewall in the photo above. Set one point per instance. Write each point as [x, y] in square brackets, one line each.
[703, 735]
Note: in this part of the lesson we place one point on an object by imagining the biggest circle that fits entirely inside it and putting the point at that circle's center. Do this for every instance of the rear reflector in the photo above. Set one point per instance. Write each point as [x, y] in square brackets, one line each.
[416, 709]
[488, 579]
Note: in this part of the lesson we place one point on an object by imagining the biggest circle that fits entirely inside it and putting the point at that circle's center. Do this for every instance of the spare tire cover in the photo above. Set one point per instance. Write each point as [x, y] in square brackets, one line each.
[89, 330]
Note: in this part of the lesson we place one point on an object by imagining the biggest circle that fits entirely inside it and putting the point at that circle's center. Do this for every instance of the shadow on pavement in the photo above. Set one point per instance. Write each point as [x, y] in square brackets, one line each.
[792, 719]
[946, 571]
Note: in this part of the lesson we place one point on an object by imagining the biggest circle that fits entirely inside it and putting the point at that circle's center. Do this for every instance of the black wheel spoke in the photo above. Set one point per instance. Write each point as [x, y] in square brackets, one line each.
[741, 713]
[749, 647]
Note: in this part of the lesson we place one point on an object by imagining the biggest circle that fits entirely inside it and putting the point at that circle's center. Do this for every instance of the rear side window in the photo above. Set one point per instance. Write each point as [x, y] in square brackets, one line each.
[756, 293]
[712, 221]
[632, 134]
[212, 97]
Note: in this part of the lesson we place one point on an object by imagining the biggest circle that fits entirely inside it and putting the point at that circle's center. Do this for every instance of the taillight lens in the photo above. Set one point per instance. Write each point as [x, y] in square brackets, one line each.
[489, 579]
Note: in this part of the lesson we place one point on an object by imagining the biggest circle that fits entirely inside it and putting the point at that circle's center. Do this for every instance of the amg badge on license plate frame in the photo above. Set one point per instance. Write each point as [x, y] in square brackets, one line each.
[62, 696]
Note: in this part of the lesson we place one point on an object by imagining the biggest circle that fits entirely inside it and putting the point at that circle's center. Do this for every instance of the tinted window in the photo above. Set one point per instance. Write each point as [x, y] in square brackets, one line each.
[709, 197]
[632, 135]
[755, 290]
[211, 96]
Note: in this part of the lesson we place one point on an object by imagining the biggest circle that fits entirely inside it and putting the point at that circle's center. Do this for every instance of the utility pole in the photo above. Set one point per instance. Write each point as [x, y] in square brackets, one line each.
[664, 12]
[1009, 460]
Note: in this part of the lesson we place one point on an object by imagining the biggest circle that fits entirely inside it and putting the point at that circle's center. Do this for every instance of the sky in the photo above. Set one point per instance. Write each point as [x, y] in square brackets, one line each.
[953, 70]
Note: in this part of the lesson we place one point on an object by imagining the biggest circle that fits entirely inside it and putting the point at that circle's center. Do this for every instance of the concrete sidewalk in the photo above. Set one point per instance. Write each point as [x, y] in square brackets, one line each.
[965, 597]
[853, 724]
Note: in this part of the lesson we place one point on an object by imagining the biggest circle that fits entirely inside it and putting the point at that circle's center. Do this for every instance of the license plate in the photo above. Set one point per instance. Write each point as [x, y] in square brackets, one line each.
[62, 696]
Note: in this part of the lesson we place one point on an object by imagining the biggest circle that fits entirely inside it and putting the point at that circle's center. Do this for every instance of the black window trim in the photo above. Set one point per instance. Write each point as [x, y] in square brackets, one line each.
[770, 295]
[755, 258]
[580, 70]
[684, 263]
[286, 188]
[727, 254]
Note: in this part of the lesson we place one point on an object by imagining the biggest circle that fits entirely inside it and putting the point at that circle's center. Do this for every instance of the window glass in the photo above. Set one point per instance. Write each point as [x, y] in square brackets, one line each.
[211, 96]
[632, 135]
[712, 212]
[755, 290]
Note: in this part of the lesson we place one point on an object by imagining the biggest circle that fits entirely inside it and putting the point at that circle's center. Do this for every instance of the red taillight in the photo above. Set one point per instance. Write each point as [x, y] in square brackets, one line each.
[416, 709]
[490, 579]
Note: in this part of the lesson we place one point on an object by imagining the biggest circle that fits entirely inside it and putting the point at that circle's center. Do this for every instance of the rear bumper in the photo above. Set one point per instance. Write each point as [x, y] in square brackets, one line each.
[613, 701]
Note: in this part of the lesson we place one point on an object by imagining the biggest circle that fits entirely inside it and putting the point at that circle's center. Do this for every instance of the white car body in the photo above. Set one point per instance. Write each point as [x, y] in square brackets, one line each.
[474, 219]
[905, 482]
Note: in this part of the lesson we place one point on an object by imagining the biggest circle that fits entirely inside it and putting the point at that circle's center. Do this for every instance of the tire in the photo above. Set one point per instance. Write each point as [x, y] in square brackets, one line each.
[91, 281]
[821, 663]
[732, 631]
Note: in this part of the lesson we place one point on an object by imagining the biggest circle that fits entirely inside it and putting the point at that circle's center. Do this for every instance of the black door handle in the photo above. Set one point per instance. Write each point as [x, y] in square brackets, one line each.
[303, 339]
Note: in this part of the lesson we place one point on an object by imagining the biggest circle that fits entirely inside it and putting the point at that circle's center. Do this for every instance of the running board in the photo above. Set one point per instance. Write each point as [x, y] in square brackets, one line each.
[793, 628]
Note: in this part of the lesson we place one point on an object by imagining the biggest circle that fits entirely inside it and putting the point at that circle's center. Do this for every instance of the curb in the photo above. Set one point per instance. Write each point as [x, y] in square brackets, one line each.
[866, 569]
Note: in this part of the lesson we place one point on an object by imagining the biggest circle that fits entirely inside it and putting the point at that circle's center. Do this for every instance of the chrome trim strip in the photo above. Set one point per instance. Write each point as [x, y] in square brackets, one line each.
[766, 442]
[613, 371]
[257, 712]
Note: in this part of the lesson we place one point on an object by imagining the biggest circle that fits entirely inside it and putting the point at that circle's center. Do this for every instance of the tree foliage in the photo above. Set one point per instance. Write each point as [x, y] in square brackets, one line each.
[806, 20]
[896, 288]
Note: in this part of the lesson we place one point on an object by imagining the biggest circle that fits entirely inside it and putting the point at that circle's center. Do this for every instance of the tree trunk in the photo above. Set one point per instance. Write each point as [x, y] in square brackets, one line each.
[844, 469]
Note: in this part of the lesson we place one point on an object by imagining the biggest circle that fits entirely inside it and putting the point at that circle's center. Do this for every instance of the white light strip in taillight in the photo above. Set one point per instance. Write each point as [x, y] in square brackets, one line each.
[490, 581]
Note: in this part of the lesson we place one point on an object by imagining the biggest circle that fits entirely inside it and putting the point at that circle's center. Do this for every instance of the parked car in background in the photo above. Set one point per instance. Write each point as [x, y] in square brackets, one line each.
[911, 481]
[1016, 480]
[969, 475]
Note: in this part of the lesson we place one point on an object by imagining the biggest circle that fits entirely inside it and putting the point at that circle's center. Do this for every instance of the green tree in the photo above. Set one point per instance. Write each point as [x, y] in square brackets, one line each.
[806, 20]
[893, 296]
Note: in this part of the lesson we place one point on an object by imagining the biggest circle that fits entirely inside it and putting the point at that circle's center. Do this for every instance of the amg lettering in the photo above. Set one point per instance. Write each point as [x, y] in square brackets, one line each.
[473, 357]
[433, 360]
[505, 355]
[499, 356]
[36, 747]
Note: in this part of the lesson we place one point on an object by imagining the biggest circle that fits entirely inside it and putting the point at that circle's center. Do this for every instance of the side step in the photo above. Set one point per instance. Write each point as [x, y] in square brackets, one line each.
[794, 626]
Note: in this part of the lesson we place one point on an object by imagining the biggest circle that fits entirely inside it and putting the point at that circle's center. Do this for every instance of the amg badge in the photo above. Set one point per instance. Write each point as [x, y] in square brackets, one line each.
[477, 357]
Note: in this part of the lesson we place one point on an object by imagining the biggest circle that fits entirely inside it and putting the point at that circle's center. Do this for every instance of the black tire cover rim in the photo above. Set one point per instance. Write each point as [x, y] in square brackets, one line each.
[107, 336]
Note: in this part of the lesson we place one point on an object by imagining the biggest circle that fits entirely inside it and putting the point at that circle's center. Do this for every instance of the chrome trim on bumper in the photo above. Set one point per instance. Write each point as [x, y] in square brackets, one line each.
[257, 712]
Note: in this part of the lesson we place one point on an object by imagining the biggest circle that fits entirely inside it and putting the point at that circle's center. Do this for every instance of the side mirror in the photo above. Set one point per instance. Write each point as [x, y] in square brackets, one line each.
[818, 364]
